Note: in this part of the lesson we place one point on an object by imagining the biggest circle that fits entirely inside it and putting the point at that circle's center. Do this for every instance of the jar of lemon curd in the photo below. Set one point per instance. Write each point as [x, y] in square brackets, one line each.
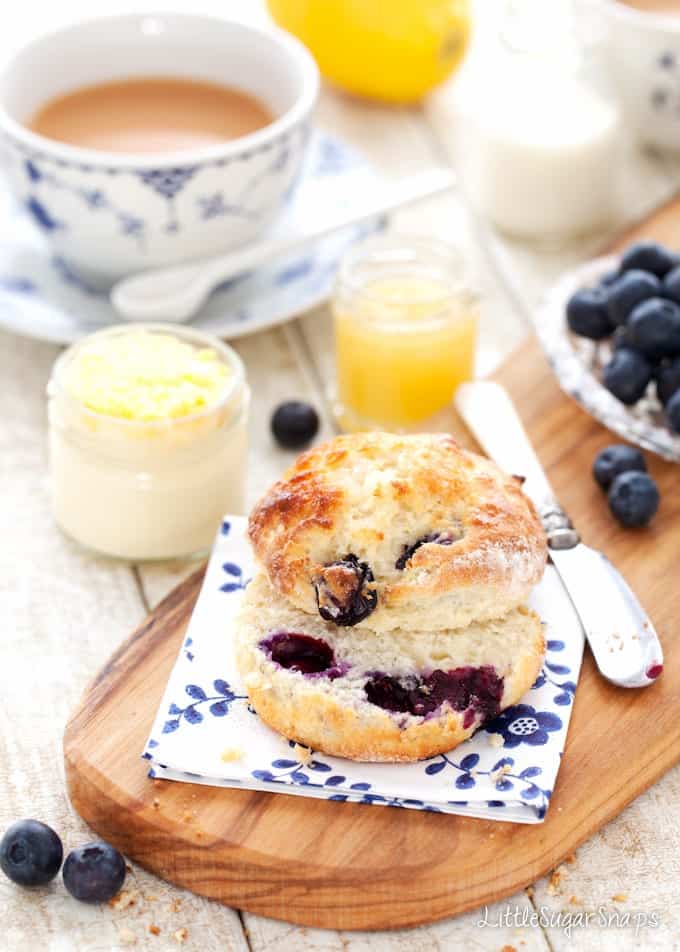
[405, 320]
[147, 440]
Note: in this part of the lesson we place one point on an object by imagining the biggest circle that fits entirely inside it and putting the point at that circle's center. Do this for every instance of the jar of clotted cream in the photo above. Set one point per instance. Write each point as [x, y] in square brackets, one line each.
[147, 439]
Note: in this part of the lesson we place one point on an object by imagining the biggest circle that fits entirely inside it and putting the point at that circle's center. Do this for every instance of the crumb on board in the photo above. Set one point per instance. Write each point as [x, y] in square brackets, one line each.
[231, 754]
[127, 936]
[619, 897]
[175, 905]
[302, 754]
[181, 935]
[530, 892]
[508, 948]
[496, 740]
[574, 901]
[154, 930]
[571, 859]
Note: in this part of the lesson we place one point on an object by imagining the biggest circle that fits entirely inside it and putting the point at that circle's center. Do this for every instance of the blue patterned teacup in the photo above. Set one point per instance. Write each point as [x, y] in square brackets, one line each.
[642, 49]
[108, 214]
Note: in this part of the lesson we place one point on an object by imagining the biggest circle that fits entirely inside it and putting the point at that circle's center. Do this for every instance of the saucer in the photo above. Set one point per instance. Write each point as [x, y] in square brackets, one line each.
[43, 298]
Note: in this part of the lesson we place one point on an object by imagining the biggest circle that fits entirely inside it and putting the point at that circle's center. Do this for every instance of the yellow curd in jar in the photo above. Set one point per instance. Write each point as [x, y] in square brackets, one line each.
[404, 342]
[145, 376]
[148, 440]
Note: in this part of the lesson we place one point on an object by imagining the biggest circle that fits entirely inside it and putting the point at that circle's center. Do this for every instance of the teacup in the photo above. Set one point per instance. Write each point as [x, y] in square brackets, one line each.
[642, 48]
[108, 214]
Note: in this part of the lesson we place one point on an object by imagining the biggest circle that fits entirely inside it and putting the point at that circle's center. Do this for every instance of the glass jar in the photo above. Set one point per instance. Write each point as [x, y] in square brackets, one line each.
[539, 144]
[147, 488]
[405, 320]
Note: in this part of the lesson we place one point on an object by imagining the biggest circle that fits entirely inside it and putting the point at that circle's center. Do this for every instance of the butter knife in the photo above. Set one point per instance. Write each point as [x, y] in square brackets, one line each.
[621, 636]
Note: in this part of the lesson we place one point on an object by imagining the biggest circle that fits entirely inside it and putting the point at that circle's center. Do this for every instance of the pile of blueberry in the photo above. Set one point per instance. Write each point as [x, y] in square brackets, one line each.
[632, 494]
[638, 308]
[31, 854]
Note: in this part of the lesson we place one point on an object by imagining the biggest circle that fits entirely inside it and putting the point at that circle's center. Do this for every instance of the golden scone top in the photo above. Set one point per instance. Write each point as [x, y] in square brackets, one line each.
[390, 531]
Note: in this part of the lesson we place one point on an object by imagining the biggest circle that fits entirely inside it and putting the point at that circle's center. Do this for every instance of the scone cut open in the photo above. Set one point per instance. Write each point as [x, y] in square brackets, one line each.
[397, 696]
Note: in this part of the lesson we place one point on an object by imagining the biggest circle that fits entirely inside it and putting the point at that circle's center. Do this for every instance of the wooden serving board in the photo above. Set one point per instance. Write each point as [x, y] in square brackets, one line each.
[352, 866]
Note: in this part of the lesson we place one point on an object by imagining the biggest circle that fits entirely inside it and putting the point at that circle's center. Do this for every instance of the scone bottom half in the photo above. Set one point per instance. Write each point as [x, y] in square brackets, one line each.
[398, 696]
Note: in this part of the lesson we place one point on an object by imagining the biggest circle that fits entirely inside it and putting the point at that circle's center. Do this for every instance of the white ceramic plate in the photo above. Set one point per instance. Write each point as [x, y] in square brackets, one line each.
[578, 362]
[41, 297]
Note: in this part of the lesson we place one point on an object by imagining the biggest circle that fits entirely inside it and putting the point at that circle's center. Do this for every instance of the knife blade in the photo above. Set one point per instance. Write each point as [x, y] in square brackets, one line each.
[621, 636]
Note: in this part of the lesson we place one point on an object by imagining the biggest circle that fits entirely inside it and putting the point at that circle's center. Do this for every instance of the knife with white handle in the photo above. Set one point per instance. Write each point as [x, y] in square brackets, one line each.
[622, 638]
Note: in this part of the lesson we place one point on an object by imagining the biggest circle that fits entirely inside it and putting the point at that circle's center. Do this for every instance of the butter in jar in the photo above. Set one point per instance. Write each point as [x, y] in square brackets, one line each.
[147, 440]
[405, 322]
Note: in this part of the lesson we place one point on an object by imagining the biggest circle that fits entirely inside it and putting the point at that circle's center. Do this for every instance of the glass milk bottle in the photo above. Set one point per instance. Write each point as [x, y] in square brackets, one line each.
[537, 143]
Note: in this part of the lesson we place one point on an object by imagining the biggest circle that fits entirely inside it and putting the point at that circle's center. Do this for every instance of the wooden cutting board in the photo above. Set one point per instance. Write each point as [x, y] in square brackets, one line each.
[352, 866]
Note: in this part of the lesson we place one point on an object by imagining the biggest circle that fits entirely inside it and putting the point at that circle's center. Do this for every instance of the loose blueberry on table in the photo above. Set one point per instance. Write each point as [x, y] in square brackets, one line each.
[30, 853]
[94, 872]
[294, 424]
[633, 499]
[614, 460]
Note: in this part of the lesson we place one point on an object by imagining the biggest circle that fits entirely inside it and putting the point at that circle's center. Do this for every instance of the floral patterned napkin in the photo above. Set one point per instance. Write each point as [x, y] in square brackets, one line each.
[205, 731]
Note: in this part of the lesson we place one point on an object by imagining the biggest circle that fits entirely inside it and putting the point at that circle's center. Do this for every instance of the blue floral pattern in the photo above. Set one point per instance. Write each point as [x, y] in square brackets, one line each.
[45, 300]
[206, 728]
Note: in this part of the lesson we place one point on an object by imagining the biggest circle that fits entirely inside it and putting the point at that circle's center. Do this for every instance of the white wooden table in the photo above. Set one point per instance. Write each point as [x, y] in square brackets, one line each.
[62, 612]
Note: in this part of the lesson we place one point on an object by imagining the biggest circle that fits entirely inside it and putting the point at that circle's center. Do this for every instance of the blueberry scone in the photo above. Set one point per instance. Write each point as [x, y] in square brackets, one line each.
[385, 532]
[397, 696]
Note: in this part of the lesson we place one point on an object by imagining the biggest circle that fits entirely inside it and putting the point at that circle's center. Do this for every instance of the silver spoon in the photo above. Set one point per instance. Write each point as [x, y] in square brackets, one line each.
[175, 293]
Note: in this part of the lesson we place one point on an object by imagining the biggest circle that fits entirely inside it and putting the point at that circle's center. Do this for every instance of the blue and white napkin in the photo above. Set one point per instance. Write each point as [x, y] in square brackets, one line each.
[205, 731]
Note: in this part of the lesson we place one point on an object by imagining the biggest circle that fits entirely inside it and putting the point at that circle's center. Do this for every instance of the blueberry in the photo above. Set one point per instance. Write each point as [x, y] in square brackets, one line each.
[345, 593]
[671, 284]
[654, 328]
[30, 853]
[408, 551]
[94, 872]
[609, 278]
[614, 460]
[587, 314]
[668, 380]
[294, 424]
[648, 256]
[479, 689]
[673, 412]
[627, 375]
[633, 499]
[296, 652]
[630, 289]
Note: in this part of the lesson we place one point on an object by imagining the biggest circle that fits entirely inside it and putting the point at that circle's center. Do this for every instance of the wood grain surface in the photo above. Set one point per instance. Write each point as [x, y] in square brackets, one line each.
[353, 866]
